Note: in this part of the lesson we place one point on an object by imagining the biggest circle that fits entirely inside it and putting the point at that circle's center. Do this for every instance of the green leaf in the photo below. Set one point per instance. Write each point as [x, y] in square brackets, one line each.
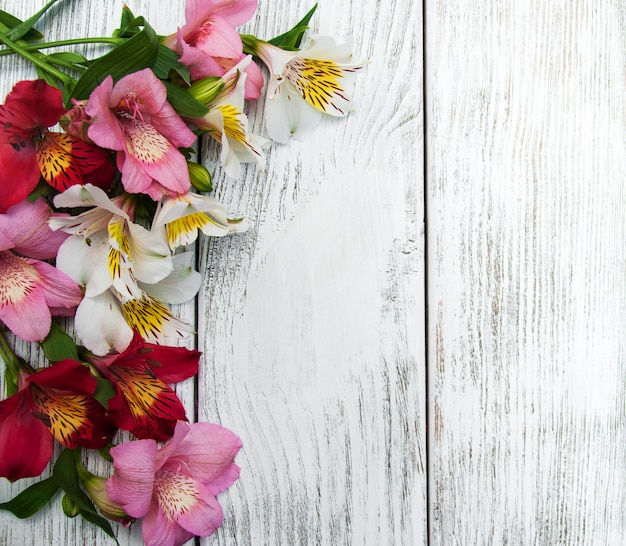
[136, 53]
[167, 62]
[58, 345]
[127, 28]
[292, 39]
[104, 391]
[22, 29]
[69, 58]
[11, 21]
[65, 474]
[184, 104]
[32, 499]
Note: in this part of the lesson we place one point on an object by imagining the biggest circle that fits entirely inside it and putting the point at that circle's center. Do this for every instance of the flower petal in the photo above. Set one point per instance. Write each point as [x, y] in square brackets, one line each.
[109, 331]
[26, 225]
[59, 289]
[159, 529]
[23, 305]
[288, 115]
[25, 442]
[132, 483]
[181, 285]
[209, 451]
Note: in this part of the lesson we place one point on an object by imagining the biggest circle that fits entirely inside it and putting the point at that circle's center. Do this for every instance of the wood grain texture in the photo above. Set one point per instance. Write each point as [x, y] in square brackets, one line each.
[526, 271]
[312, 322]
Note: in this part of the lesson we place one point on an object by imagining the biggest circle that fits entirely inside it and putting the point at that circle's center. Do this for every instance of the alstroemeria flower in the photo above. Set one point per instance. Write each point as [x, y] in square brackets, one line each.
[208, 43]
[53, 402]
[227, 124]
[28, 150]
[174, 488]
[31, 291]
[127, 272]
[107, 248]
[134, 118]
[305, 84]
[184, 215]
[145, 405]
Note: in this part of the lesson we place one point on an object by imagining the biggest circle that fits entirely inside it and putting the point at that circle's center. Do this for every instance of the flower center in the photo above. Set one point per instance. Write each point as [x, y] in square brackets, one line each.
[128, 107]
[17, 278]
[317, 81]
[176, 493]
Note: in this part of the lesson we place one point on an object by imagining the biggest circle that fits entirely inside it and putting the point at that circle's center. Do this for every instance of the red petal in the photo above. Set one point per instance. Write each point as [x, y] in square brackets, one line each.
[25, 442]
[34, 103]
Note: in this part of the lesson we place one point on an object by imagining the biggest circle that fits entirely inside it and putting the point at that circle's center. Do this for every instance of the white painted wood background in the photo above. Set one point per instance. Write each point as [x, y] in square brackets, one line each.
[320, 342]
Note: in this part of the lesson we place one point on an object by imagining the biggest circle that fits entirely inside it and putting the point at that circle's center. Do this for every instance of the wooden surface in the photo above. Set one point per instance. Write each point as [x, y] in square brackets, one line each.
[526, 143]
[489, 410]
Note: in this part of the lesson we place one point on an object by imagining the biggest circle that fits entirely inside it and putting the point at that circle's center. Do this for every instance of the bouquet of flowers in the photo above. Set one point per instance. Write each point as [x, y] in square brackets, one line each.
[101, 194]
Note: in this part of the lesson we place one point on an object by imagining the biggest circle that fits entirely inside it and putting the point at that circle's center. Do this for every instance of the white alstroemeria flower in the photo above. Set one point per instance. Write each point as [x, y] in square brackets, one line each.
[304, 84]
[183, 215]
[227, 124]
[107, 249]
[105, 322]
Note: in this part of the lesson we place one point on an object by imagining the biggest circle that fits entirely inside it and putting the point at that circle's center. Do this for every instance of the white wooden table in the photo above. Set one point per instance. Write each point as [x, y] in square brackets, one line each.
[422, 338]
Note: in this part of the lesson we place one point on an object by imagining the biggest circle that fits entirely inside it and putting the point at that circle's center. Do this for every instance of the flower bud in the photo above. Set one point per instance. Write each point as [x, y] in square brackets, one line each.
[199, 176]
[206, 89]
[70, 509]
[96, 488]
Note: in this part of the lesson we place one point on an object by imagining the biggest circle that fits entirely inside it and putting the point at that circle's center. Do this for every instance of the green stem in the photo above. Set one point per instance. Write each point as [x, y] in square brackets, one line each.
[37, 61]
[13, 365]
[72, 41]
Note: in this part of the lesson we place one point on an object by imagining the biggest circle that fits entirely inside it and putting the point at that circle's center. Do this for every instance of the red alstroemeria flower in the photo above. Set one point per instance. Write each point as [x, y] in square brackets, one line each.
[29, 151]
[145, 405]
[54, 402]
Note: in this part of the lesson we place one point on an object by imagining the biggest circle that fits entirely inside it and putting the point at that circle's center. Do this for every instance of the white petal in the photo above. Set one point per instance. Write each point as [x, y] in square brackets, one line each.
[181, 285]
[287, 115]
[150, 253]
[85, 262]
[87, 196]
[101, 326]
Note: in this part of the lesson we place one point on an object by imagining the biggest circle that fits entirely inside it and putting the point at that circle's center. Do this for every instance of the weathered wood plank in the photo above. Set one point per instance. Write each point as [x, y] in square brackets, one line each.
[526, 249]
[312, 323]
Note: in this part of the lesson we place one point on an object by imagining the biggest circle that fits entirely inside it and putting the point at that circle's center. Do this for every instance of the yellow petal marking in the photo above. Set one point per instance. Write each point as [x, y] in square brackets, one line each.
[149, 317]
[232, 123]
[65, 415]
[318, 82]
[178, 229]
[120, 246]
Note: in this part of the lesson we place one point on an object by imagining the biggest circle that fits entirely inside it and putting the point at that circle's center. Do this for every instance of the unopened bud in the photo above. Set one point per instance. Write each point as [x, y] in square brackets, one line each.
[199, 176]
[70, 509]
[206, 89]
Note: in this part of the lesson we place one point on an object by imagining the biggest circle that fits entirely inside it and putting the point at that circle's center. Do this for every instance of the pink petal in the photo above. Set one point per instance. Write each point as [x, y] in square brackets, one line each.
[59, 289]
[159, 530]
[209, 451]
[23, 305]
[105, 129]
[146, 86]
[132, 483]
[25, 442]
[236, 12]
[203, 518]
[170, 124]
[254, 76]
[219, 39]
[26, 224]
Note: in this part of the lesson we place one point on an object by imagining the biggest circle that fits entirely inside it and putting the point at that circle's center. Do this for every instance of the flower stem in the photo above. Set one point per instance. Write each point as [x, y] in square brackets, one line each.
[60, 43]
[35, 59]
[13, 366]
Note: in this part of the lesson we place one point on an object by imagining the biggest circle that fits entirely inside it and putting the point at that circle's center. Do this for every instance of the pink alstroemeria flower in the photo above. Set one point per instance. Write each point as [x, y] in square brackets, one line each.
[208, 43]
[31, 290]
[173, 488]
[134, 118]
